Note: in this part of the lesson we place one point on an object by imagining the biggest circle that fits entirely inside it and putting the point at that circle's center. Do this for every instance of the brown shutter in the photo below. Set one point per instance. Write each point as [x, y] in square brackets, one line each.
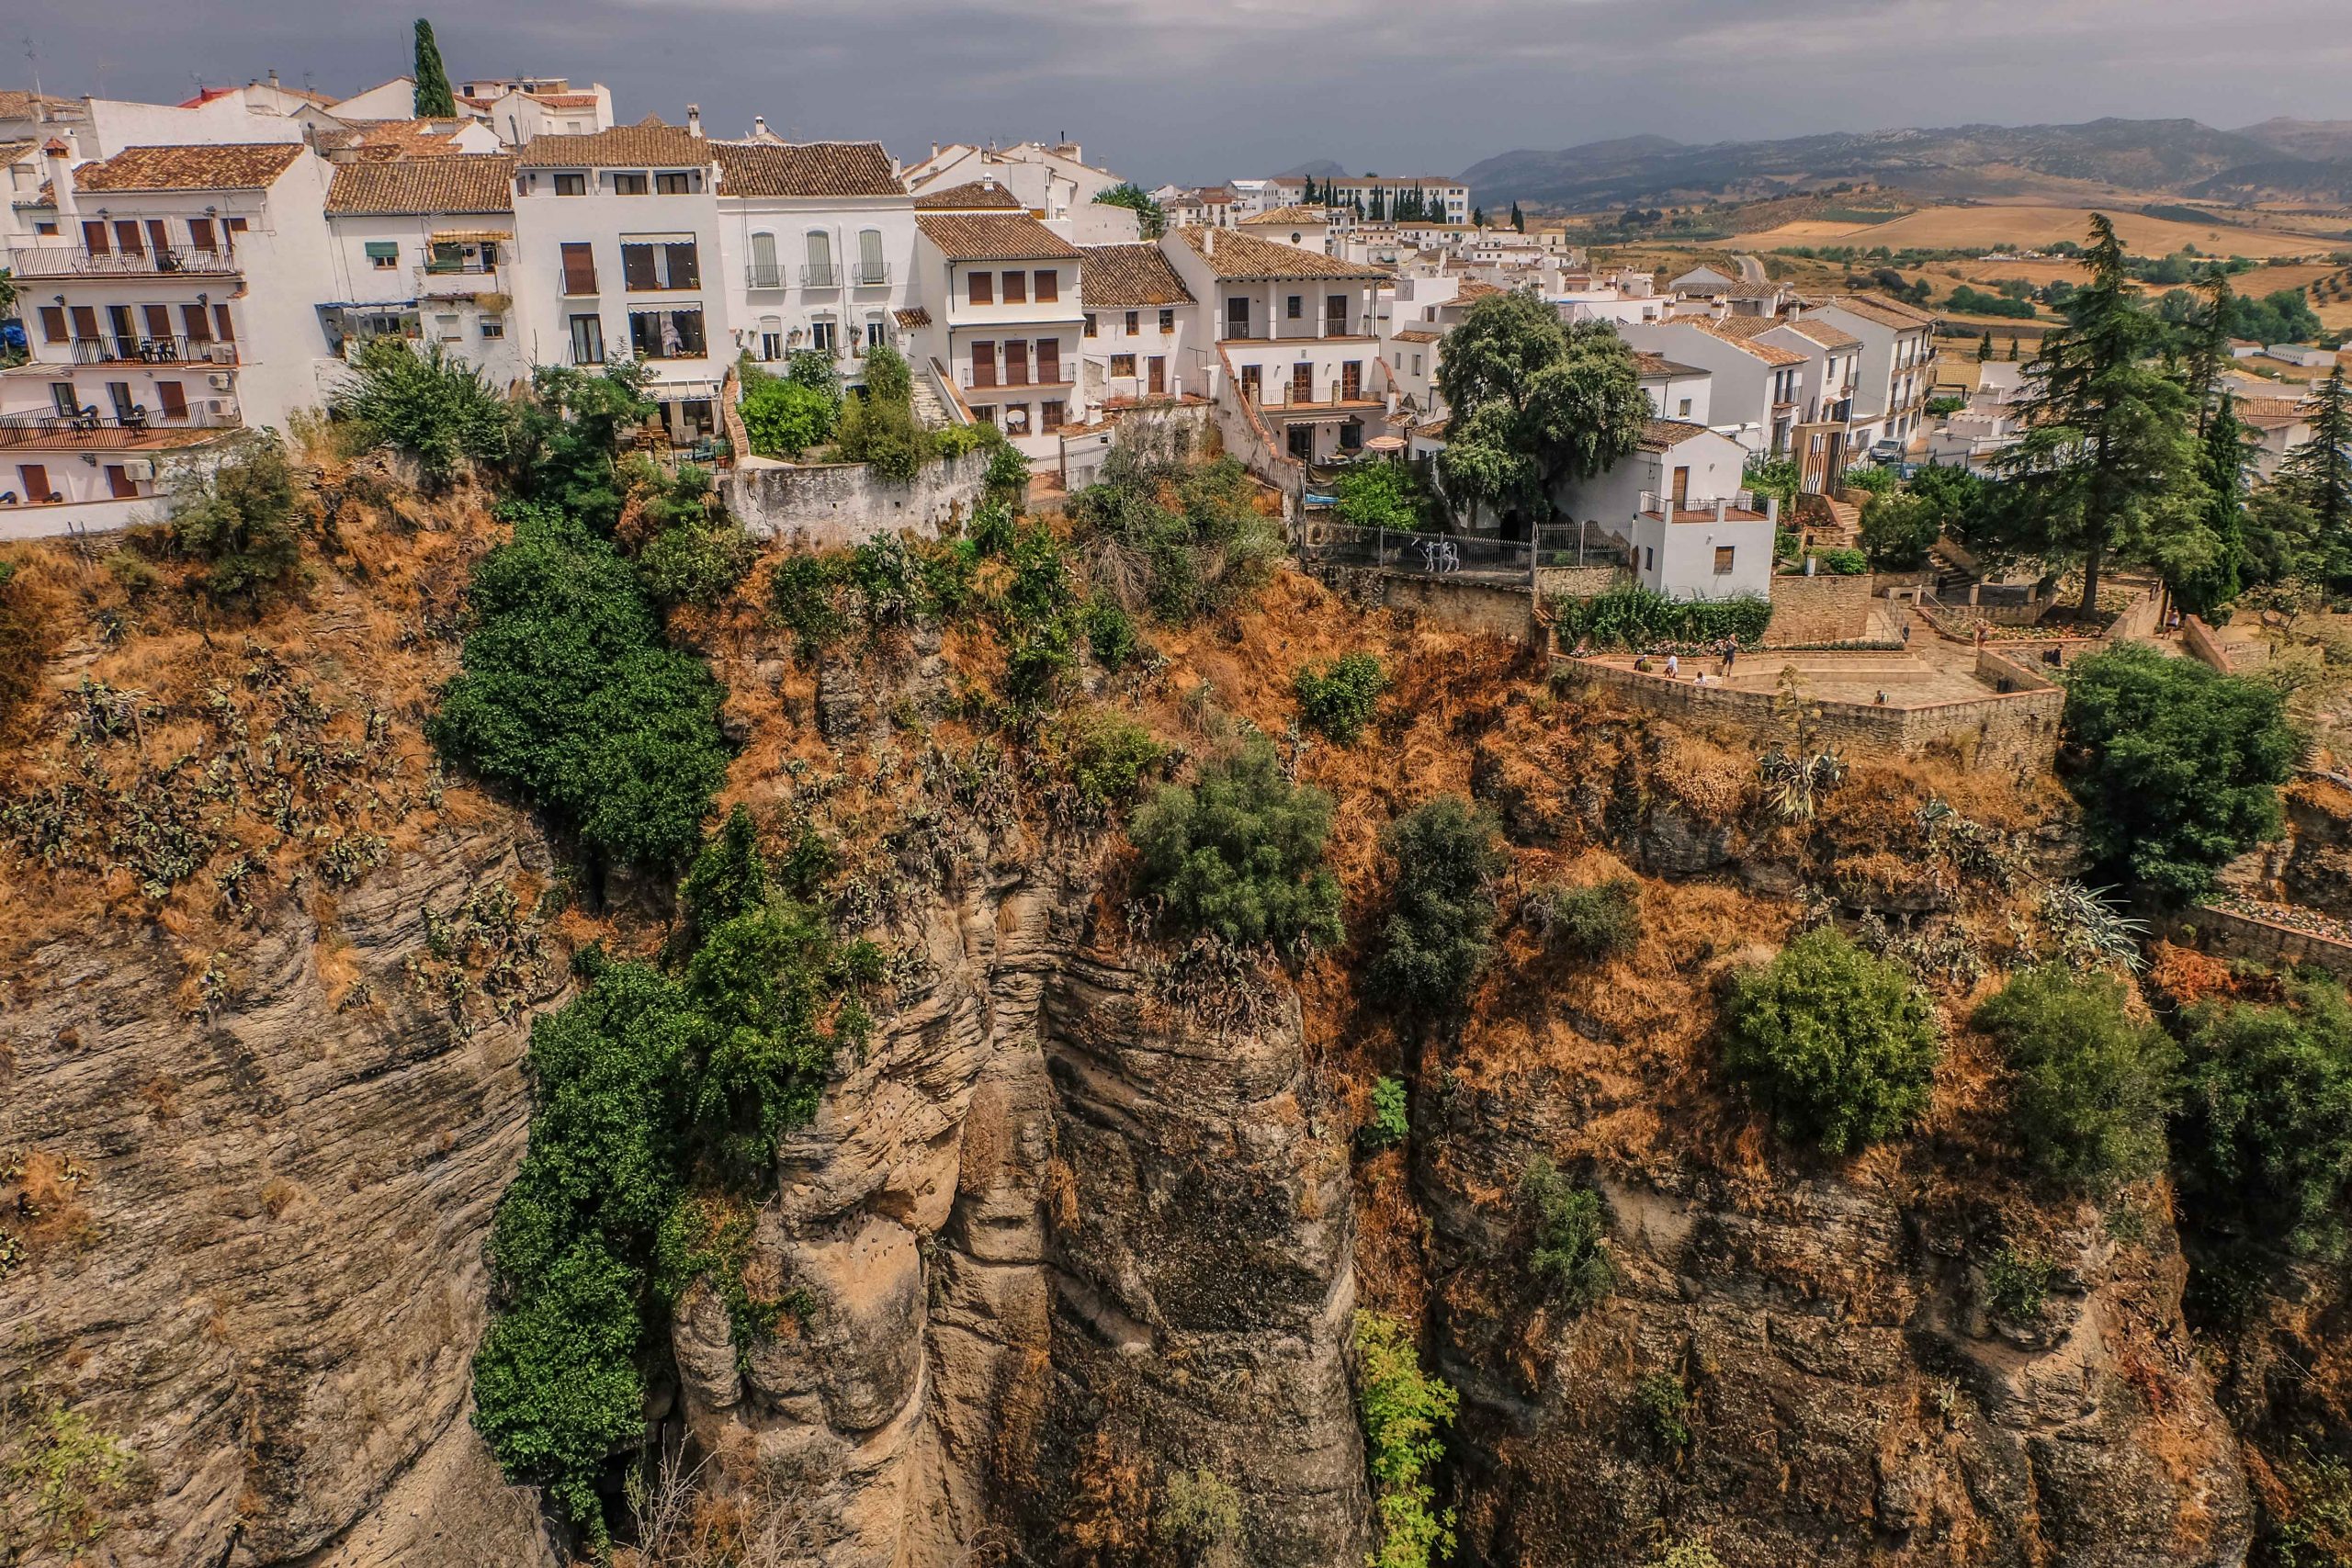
[52, 323]
[979, 287]
[126, 237]
[94, 237]
[227, 328]
[1016, 288]
[1016, 361]
[159, 320]
[174, 397]
[158, 236]
[119, 483]
[35, 477]
[579, 268]
[85, 321]
[983, 362]
[686, 266]
[1050, 361]
[1158, 366]
[1049, 286]
[199, 235]
[637, 268]
[200, 326]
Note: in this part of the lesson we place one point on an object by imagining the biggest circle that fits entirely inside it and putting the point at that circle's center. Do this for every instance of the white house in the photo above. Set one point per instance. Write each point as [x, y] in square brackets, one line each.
[424, 249]
[1678, 500]
[1139, 318]
[1049, 181]
[818, 248]
[617, 230]
[1001, 292]
[1757, 387]
[1676, 392]
[2301, 353]
[1288, 334]
[1703, 282]
[1897, 365]
[1443, 200]
[521, 107]
[395, 99]
[1306, 228]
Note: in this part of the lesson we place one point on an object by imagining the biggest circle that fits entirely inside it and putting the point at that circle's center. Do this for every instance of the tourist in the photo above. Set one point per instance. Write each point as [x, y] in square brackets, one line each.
[1731, 652]
[1906, 634]
[1674, 667]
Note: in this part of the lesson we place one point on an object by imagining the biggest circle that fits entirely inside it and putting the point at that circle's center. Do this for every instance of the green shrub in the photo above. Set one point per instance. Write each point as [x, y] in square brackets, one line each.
[783, 419]
[1838, 1047]
[887, 375]
[2177, 766]
[1439, 930]
[1007, 481]
[1391, 1120]
[1208, 551]
[696, 552]
[1381, 495]
[1687, 1554]
[1843, 562]
[1871, 478]
[1638, 618]
[1665, 1405]
[1568, 1255]
[948, 577]
[2090, 1086]
[1111, 634]
[1200, 1514]
[567, 433]
[1240, 853]
[2264, 1136]
[802, 591]
[814, 368]
[1107, 756]
[63, 1478]
[435, 406]
[994, 527]
[1403, 1410]
[1775, 477]
[884, 436]
[1339, 698]
[2017, 1284]
[960, 440]
[567, 693]
[885, 575]
[1898, 530]
[240, 520]
[1602, 921]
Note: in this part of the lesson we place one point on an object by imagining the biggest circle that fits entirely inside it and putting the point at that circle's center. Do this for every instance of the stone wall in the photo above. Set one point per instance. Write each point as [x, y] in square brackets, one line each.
[2199, 638]
[2016, 729]
[831, 505]
[1819, 609]
[2226, 933]
[1580, 581]
[1483, 609]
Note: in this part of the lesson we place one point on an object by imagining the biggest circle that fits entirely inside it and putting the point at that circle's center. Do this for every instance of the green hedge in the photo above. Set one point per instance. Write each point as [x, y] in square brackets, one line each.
[1636, 618]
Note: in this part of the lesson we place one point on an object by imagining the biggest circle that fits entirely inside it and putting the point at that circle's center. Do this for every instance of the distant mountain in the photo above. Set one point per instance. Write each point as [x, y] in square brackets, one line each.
[2320, 140]
[2156, 157]
[1321, 169]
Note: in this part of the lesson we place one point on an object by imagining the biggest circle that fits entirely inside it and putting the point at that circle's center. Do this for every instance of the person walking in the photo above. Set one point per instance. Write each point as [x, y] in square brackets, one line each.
[1673, 666]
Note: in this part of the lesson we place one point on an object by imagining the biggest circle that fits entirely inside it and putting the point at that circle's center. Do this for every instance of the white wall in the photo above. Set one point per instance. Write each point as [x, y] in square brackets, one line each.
[544, 223]
[116, 124]
[958, 324]
[1110, 337]
[793, 308]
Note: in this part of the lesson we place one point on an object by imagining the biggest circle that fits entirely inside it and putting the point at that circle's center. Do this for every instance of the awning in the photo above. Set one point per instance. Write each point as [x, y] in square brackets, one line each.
[681, 391]
[471, 236]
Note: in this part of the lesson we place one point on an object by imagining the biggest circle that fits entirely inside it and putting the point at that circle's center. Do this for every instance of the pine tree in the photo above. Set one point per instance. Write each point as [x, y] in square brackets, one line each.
[2209, 349]
[2108, 463]
[2319, 474]
[2013, 350]
[1518, 218]
[1985, 347]
[2221, 464]
[433, 98]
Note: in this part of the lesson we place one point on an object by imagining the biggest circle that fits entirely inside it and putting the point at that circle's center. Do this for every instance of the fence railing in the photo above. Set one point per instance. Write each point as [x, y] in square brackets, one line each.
[144, 350]
[75, 261]
[1446, 555]
[1741, 501]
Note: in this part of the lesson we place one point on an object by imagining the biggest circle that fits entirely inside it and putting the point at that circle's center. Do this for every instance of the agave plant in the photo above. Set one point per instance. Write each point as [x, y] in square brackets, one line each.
[1793, 785]
[2091, 930]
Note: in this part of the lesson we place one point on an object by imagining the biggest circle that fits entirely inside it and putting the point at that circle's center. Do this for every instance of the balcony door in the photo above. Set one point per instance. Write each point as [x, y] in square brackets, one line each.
[1302, 382]
[821, 260]
[1236, 315]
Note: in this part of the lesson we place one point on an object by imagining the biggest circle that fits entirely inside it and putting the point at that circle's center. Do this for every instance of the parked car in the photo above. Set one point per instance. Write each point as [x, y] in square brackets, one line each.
[1886, 452]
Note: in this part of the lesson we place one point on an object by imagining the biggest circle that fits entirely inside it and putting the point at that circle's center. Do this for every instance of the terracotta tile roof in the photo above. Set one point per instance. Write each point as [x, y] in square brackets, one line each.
[1217, 196]
[1292, 214]
[477, 182]
[812, 168]
[17, 104]
[12, 151]
[641, 146]
[237, 166]
[1417, 334]
[969, 196]
[1822, 332]
[1665, 435]
[913, 316]
[1117, 278]
[1887, 312]
[394, 138]
[564, 100]
[1741, 330]
[992, 236]
[1646, 363]
[1237, 257]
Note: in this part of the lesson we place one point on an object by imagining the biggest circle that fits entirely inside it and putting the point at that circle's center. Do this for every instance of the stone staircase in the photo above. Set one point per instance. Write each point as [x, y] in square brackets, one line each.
[1830, 523]
[930, 413]
[1952, 579]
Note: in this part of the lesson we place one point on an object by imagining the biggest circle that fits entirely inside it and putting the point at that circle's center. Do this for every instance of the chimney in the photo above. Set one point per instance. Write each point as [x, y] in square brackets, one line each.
[58, 161]
[272, 79]
[693, 120]
[760, 125]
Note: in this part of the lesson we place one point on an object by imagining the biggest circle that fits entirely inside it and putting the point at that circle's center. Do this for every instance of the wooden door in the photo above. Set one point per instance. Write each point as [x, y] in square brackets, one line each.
[119, 483]
[159, 239]
[1302, 382]
[36, 481]
[173, 397]
[1157, 368]
[1050, 361]
[1682, 490]
[984, 363]
[1016, 363]
[126, 237]
[1253, 386]
[94, 237]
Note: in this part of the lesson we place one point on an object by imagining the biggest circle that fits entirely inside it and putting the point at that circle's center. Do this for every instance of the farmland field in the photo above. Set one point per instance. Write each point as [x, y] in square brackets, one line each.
[1969, 227]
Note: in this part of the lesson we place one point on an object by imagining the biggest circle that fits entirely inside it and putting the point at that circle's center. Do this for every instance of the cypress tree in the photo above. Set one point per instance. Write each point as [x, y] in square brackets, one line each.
[1518, 218]
[1985, 347]
[2319, 474]
[2210, 346]
[2222, 461]
[433, 98]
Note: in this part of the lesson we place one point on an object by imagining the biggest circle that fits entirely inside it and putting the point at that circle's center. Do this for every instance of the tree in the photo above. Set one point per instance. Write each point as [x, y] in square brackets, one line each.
[1479, 217]
[1897, 531]
[2223, 460]
[1380, 204]
[1150, 214]
[1379, 496]
[2107, 463]
[2209, 347]
[240, 520]
[436, 406]
[1534, 403]
[2319, 474]
[1839, 1048]
[2178, 767]
[1439, 930]
[2091, 1085]
[1984, 346]
[433, 98]
[1240, 853]
[2264, 1136]
[1404, 1410]
[1518, 220]
[783, 419]
[1338, 699]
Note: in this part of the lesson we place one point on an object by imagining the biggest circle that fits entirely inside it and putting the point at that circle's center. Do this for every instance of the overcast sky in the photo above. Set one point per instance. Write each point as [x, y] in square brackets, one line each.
[1203, 89]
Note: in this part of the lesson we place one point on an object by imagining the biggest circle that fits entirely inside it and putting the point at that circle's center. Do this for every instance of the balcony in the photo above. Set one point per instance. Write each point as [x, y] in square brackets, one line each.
[456, 280]
[76, 261]
[762, 275]
[869, 274]
[1737, 507]
[93, 434]
[817, 275]
[152, 351]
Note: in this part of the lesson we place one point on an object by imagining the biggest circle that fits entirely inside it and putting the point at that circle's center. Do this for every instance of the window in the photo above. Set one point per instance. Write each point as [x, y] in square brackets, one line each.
[1052, 415]
[1134, 319]
[771, 338]
[979, 287]
[1167, 320]
[818, 270]
[1049, 362]
[985, 413]
[1049, 290]
[36, 481]
[1017, 287]
[493, 326]
[653, 265]
[198, 325]
[628, 185]
[679, 183]
[1090, 323]
[824, 336]
[119, 394]
[383, 254]
[223, 324]
[871, 268]
[1723, 560]
[572, 184]
[236, 227]
[1682, 409]
[1649, 558]
[763, 273]
[173, 398]
[984, 363]
[94, 237]
[1016, 419]
[1123, 365]
[1416, 365]
[876, 334]
[1335, 313]
[52, 323]
[1351, 380]
[579, 273]
[666, 334]
[1295, 307]
[64, 399]
[1016, 363]
[447, 329]
[587, 340]
[199, 233]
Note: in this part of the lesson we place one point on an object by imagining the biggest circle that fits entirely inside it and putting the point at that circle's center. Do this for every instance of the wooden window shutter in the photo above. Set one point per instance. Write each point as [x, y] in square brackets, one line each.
[226, 327]
[979, 287]
[200, 326]
[94, 237]
[984, 363]
[174, 397]
[199, 233]
[1016, 363]
[52, 323]
[159, 320]
[1049, 286]
[86, 321]
[1017, 287]
[579, 268]
[1050, 361]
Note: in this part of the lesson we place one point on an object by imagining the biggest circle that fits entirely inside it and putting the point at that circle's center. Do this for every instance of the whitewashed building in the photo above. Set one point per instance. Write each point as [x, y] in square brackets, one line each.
[1002, 294]
[1139, 319]
[818, 246]
[424, 250]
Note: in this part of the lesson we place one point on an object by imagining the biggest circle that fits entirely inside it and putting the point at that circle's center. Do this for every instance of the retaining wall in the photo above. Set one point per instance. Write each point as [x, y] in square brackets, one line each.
[2228, 934]
[1819, 609]
[834, 505]
[1482, 609]
[2201, 642]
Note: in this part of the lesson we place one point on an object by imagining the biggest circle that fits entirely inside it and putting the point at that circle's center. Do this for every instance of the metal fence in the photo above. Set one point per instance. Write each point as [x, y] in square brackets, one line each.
[1446, 555]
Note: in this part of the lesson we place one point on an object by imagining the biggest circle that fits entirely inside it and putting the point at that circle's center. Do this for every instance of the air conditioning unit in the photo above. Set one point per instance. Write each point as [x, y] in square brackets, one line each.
[223, 381]
[224, 354]
[220, 409]
[139, 469]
